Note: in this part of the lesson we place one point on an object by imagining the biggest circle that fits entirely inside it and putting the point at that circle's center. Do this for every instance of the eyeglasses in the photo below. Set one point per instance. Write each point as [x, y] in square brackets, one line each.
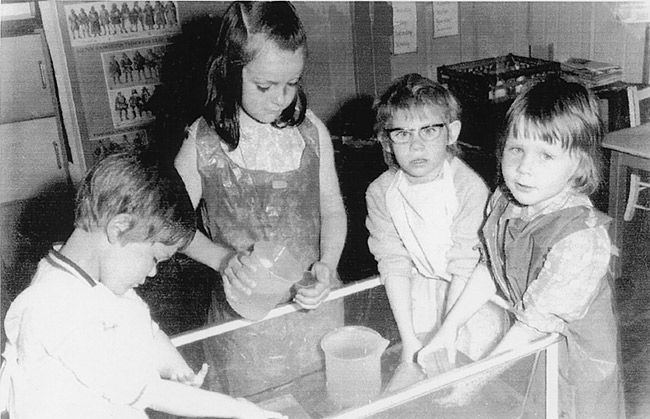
[404, 136]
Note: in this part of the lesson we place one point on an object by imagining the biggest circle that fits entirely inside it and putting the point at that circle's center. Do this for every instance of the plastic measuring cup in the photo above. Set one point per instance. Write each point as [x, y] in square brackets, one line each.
[353, 364]
[276, 270]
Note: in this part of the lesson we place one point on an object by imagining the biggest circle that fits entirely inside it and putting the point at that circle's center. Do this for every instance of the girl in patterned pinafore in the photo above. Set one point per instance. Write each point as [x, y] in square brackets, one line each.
[548, 249]
[262, 166]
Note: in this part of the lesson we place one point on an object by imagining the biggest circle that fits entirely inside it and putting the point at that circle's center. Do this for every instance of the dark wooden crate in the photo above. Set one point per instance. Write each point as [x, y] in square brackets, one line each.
[494, 79]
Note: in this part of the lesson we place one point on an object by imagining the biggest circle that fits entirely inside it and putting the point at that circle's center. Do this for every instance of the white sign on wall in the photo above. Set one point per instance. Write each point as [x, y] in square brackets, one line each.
[445, 19]
[404, 27]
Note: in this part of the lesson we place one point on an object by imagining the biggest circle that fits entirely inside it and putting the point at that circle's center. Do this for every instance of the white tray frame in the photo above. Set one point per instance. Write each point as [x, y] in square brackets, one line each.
[549, 344]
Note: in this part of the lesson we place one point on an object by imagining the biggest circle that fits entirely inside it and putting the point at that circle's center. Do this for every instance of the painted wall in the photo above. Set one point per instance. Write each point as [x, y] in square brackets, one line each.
[488, 29]
[329, 75]
[351, 50]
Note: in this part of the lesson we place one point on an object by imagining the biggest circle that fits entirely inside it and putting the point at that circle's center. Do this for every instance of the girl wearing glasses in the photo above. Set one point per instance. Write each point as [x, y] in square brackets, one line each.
[424, 215]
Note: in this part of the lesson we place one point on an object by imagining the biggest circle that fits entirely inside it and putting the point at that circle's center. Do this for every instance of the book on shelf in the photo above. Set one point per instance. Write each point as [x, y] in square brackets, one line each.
[592, 73]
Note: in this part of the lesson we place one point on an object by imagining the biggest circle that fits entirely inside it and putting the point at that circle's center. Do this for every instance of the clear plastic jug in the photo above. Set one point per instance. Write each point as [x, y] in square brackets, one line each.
[353, 364]
[276, 270]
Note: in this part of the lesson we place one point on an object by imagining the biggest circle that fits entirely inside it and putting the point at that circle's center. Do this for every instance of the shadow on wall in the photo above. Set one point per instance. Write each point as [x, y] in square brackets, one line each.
[179, 100]
[180, 294]
[29, 228]
[359, 161]
[354, 117]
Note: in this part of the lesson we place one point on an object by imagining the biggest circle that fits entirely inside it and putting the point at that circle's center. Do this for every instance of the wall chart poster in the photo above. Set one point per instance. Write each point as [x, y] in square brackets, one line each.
[97, 22]
[114, 53]
[131, 76]
[132, 140]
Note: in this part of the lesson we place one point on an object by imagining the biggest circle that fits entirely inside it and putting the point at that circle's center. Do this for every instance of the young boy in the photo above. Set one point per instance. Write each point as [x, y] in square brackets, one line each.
[81, 343]
[424, 214]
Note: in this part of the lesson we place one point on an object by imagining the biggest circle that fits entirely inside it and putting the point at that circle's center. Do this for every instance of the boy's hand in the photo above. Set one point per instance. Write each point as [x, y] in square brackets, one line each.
[235, 275]
[188, 377]
[312, 297]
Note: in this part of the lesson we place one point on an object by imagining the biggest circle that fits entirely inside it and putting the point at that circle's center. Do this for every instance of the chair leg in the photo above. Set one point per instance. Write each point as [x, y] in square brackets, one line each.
[632, 197]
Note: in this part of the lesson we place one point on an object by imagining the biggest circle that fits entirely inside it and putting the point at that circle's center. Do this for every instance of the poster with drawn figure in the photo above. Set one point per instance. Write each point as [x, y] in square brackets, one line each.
[129, 105]
[132, 67]
[92, 23]
[128, 141]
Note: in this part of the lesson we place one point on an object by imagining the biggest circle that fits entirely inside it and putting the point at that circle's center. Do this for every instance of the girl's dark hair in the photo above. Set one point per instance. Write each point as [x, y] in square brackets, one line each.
[277, 22]
[555, 110]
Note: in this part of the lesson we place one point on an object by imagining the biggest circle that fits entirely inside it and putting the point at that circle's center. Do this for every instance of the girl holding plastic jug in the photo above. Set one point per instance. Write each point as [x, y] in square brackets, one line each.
[424, 215]
[262, 165]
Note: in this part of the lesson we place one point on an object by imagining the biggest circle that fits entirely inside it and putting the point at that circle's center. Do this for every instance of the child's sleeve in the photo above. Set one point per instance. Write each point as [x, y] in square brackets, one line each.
[384, 242]
[472, 198]
[112, 357]
[568, 282]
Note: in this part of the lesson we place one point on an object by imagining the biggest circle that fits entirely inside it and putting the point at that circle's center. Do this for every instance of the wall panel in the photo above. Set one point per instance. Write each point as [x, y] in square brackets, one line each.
[487, 29]
[329, 76]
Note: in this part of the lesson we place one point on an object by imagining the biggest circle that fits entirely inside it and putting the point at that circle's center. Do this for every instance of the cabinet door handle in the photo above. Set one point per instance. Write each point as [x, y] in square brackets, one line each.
[42, 71]
[56, 153]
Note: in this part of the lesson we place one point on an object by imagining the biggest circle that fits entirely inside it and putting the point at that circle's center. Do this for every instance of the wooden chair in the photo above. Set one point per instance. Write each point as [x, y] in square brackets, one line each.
[636, 186]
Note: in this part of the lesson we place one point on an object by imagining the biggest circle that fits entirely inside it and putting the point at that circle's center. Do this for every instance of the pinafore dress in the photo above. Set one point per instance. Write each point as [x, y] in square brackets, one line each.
[590, 385]
[241, 206]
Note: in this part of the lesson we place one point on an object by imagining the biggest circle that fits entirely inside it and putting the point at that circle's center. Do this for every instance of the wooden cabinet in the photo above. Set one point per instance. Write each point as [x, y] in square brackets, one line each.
[36, 199]
[24, 81]
[32, 157]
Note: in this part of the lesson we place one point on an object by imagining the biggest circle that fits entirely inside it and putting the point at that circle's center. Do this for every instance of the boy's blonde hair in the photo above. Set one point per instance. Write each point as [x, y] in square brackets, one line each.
[138, 185]
[559, 111]
[413, 93]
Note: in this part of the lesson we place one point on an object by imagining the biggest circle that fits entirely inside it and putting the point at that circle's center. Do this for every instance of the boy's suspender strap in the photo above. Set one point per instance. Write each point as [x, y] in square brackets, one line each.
[62, 262]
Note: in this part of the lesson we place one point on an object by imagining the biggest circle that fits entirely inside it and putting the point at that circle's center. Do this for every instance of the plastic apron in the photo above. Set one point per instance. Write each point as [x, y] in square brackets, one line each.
[243, 206]
[423, 215]
[590, 385]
